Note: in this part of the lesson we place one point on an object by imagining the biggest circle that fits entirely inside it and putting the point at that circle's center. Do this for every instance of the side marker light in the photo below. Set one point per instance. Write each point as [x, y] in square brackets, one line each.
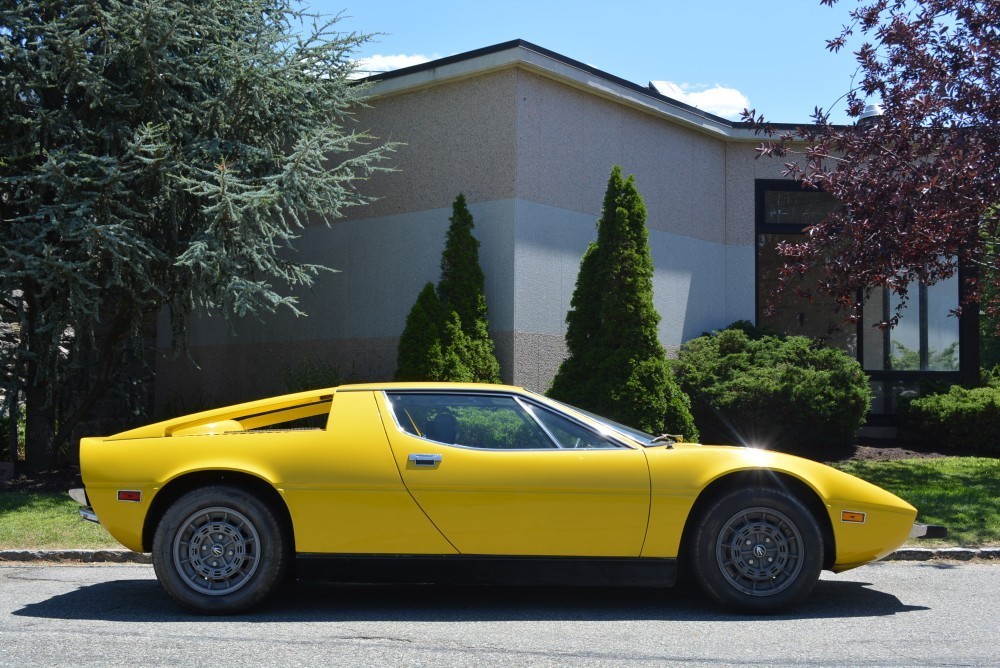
[852, 517]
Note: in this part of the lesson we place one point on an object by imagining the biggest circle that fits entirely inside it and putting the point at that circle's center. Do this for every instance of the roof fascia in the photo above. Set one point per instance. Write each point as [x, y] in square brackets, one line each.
[524, 55]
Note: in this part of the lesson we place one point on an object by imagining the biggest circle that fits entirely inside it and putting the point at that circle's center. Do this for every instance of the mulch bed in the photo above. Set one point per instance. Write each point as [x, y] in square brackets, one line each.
[58, 480]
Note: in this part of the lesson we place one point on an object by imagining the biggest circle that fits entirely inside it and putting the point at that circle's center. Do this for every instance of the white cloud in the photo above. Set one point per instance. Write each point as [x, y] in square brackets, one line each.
[382, 63]
[718, 100]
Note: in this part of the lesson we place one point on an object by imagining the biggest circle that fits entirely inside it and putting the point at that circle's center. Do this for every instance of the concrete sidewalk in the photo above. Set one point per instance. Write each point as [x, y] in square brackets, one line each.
[127, 556]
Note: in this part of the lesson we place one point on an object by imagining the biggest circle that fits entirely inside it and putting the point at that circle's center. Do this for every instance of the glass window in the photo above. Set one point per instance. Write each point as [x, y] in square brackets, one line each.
[569, 434]
[471, 420]
[815, 316]
[624, 430]
[924, 346]
[927, 336]
[888, 394]
[797, 207]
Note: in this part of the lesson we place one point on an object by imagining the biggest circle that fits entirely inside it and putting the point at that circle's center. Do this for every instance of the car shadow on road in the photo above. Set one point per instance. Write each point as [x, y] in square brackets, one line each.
[144, 601]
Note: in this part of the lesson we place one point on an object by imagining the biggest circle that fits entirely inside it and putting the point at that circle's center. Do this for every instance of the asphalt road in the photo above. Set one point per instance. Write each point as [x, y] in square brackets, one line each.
[887, 614]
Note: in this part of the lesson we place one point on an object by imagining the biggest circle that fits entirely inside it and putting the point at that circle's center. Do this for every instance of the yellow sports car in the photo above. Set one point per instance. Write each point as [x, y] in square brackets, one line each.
[433, 482]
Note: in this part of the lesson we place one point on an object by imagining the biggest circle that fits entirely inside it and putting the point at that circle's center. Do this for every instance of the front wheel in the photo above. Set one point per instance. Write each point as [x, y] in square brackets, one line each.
[220, 550]
[757, 550]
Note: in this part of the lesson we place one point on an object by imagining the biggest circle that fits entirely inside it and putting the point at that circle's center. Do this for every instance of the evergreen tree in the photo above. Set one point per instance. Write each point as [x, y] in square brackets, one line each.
[461, 289]
[457, 351]
[420, 355]
[460, 327]
[155, 155]
[616, 365]
[462, 281]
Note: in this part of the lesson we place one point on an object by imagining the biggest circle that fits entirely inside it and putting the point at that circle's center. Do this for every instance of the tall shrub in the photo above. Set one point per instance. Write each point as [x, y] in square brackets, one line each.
[778, 392]
[420, 356]
[616, 365]
[447, 336]
[461, 289]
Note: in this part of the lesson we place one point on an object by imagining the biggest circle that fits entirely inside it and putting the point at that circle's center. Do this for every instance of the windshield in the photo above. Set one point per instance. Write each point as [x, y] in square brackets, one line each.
[624, 430]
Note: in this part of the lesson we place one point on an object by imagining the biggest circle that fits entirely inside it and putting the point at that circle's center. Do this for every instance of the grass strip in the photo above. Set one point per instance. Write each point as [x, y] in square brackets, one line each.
[962, 493]
[40, 520]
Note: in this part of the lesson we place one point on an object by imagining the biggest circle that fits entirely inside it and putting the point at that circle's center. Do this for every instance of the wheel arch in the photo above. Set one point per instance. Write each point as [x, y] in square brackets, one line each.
[183, 484]
[760, 478]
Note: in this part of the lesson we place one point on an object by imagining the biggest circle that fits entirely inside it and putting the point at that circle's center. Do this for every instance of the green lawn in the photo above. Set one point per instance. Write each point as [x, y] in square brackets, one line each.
[31, 520]
[962, 493]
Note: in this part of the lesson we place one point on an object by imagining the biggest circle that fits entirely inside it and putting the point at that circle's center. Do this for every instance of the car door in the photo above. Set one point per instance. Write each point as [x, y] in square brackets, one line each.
[501, 475]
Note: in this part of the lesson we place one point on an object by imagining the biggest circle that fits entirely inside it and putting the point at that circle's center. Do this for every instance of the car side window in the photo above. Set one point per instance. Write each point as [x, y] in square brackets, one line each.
[476, 421]
[569, 434]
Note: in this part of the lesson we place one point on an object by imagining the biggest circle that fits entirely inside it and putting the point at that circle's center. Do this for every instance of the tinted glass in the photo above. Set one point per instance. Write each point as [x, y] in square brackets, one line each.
[475, 421]
[567, 433]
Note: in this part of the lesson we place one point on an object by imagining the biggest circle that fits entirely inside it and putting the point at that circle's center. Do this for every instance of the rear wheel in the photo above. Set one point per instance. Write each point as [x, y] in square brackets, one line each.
[757, 550]
[220, 550]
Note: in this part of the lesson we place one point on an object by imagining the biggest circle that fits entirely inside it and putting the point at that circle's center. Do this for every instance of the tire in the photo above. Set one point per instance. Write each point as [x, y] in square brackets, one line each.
[220, 550]
[757, 550]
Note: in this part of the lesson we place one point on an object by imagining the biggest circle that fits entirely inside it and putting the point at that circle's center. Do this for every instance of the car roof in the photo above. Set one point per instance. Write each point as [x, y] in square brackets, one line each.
[427, 386]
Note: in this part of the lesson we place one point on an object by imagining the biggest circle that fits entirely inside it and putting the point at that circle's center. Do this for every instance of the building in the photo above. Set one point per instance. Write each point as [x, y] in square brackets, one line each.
[529, 137]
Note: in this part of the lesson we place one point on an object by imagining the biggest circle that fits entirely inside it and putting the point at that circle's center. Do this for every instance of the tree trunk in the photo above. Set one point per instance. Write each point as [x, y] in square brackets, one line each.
[39, 424]
[105, 361]
[39, 407]
[13, 417]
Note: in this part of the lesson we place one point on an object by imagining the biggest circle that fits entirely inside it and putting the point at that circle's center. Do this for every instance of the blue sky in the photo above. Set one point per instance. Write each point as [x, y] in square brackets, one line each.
[719, 55]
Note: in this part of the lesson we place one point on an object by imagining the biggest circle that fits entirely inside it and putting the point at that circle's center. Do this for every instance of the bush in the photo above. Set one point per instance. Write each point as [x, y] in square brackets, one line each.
[785, 393]
[960, 418]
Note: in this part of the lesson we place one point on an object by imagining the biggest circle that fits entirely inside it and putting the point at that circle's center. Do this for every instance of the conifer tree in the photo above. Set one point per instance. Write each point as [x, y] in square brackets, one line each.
[462, 321]
[420, 355]
[462, 281]
[616, 365]
[462, 290]
[155, 156]
[457, 352]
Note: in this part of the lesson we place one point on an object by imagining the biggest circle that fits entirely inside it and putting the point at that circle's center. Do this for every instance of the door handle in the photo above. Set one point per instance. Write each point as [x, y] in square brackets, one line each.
[424, 460]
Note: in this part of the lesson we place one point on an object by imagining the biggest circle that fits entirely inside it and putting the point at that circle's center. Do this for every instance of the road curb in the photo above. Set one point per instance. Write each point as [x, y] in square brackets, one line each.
[85, 556]
[129, 557]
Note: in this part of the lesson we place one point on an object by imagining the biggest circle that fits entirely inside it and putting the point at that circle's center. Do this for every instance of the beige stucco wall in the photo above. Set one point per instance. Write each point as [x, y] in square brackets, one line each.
[456, 138]
[568, 140]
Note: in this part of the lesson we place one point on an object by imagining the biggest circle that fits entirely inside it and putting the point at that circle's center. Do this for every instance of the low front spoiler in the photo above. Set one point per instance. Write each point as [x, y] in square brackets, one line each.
[928, 531]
